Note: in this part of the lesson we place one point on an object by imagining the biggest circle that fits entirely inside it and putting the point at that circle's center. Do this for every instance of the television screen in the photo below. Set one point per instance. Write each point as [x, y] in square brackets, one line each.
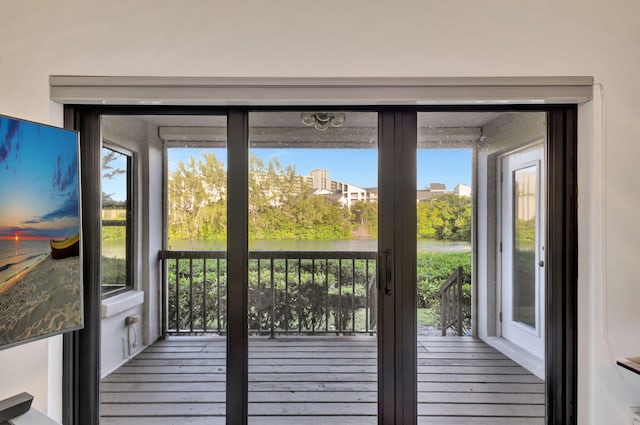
[40, 262]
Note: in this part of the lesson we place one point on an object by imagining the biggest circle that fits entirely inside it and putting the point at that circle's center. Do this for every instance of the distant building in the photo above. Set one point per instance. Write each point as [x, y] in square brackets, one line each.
[423, 195]
[429, 191]
[436, 187]
[372, 194]
[318, 179]
[462, 190]
[347, 194]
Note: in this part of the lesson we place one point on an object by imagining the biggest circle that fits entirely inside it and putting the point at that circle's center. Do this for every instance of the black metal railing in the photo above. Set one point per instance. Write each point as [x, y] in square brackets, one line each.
[290, 292]
[451, 302]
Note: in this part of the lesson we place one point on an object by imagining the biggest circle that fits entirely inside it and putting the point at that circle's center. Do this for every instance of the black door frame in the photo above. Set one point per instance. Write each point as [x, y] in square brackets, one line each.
[397, 362]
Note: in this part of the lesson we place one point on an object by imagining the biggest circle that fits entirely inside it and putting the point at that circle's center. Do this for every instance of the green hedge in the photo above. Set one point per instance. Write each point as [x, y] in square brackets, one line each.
[433, 270]
[318, 297]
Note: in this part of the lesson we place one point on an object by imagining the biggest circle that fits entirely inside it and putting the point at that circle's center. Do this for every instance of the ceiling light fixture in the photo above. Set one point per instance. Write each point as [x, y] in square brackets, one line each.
[322, 120]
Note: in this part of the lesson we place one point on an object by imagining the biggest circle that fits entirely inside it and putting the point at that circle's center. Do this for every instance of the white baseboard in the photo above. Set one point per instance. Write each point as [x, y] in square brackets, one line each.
[519, 355]
[124, 361]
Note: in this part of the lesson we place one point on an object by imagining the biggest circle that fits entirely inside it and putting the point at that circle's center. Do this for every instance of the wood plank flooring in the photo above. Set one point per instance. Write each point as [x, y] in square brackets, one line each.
[319, 380]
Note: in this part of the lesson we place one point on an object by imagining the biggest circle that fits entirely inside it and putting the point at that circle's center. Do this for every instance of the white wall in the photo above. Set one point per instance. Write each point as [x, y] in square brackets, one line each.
[379, 38]
[26, 368]
[503, 134]
[119, 343]
[152, 233]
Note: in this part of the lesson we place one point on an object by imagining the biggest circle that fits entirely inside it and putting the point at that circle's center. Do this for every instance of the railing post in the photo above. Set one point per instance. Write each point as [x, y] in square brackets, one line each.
[451, 292]
[259, 298]
[165, 294]
[443, 311]
[339, 317]
[286, 293]
[313, 283]
[459, 279]
[326, 292]
[191, 295]
[353, 295]
[273, 300]
[366, 296]
[218, 293]
[177, 295]
[204, 295]
[298, 290]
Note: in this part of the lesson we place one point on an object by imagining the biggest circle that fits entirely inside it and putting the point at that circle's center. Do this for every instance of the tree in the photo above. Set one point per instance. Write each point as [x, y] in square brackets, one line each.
[364, 215]
[197, 199]
[445, 216]
[281, 204]
[109, 172]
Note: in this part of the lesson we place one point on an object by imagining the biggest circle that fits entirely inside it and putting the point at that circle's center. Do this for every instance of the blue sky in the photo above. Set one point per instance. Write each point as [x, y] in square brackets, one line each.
[38, 181]
[116, 186]
[448, 166]
[357, 166]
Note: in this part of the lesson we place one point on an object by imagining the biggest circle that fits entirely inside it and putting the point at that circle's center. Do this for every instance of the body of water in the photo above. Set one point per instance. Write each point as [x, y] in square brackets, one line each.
[114, 249]
[18, 255]
[424, 245]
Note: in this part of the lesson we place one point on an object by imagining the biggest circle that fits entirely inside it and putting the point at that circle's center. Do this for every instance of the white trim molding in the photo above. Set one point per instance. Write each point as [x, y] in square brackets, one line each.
[220, 91]
[122, 302]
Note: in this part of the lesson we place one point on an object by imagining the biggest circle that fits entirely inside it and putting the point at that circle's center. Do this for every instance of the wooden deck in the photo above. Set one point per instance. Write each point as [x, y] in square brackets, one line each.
[319, 380]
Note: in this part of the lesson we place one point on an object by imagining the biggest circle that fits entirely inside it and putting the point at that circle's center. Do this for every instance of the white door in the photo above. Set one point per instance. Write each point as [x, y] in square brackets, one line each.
[522, 231]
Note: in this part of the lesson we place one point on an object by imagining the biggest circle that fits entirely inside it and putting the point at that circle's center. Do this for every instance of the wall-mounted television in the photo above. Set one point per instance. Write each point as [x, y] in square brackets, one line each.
[40, 253]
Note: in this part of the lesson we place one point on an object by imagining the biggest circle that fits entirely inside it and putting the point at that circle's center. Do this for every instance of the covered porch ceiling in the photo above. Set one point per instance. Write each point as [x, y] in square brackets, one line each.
[288, 129]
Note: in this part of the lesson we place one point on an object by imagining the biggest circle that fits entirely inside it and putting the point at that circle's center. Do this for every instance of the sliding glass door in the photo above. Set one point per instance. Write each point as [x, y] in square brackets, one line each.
[182, 375]
[316, 270]
[312, 284]
[480, 219]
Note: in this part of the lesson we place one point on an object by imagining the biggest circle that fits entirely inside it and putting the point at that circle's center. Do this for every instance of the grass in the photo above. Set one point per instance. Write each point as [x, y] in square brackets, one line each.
[428, 317]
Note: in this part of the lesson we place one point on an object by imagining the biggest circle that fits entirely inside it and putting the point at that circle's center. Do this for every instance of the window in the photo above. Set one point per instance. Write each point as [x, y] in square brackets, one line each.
[399, 178]
[117, 247]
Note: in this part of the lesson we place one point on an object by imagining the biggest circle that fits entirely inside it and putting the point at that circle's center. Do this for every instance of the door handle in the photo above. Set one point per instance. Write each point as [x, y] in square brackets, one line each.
[386, 271]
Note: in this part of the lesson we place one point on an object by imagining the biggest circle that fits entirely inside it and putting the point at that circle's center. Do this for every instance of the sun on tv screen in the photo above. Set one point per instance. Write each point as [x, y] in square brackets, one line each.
[40, 261]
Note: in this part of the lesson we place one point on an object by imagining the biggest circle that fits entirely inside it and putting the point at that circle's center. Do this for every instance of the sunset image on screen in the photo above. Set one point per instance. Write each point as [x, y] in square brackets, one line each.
[39, 230]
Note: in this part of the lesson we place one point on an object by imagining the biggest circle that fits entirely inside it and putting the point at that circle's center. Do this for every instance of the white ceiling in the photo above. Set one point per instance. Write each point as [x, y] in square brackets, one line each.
[456, 119]
[286, 130]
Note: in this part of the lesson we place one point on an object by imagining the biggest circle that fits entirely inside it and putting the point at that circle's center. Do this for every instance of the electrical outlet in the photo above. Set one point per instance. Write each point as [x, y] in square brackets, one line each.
[130, 320]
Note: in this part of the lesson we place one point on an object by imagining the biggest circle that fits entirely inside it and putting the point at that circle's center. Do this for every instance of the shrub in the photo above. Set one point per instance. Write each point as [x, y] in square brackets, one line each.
[434, 268]
[305, 296]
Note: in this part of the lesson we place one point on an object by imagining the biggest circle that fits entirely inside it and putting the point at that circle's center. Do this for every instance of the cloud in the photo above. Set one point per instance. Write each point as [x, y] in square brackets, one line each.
[64, 175]
[68, 209]
[5, 150]
[33, 232]
[12, 231]
[6, 144]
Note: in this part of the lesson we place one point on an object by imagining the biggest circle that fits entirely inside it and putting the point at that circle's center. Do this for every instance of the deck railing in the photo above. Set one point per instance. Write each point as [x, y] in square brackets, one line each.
[290, 292]
[451, 302]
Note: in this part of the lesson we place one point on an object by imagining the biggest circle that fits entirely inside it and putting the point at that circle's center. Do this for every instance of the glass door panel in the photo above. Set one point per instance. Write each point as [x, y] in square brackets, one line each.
[524, 298]
[523, 250]
[443, 258]
[312, 307]
[196, 260]
[466, 373]
[183, 375]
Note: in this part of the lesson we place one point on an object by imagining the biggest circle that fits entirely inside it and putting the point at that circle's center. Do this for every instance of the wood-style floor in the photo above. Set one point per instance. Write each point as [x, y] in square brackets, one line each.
[319, 380]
